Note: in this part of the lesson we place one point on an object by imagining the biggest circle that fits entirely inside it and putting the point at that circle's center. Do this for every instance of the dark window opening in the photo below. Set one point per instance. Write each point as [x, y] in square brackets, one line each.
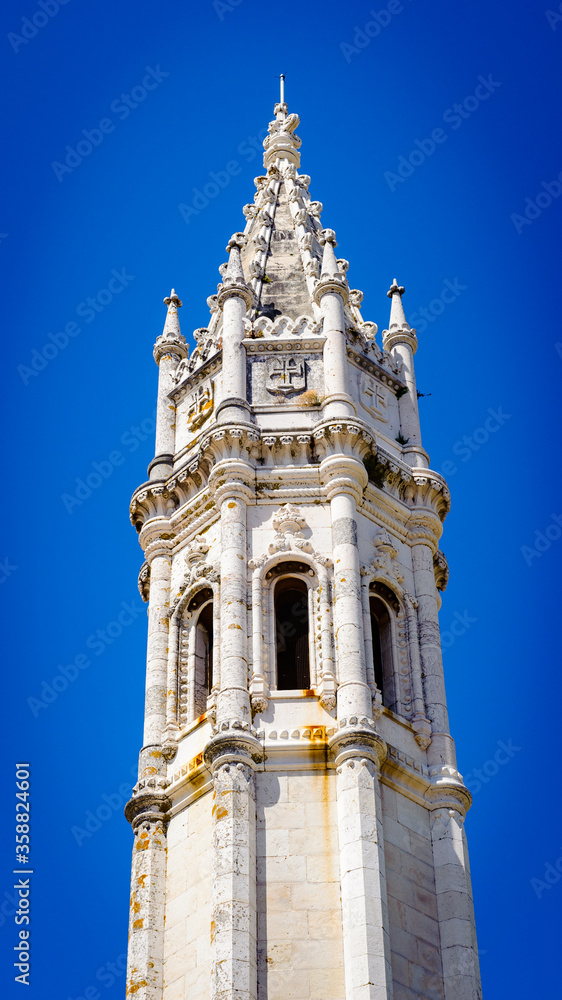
[291, 631]
[382, 650]
[203, 680]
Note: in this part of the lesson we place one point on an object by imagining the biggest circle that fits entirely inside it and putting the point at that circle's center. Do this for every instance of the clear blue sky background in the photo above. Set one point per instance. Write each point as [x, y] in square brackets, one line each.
[69, 571]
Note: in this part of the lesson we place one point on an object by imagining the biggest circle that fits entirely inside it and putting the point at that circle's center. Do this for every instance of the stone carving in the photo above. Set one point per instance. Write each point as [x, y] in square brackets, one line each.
[289, 524]
[373, 397]
[385, 562]
[286, 375]
[200, 406]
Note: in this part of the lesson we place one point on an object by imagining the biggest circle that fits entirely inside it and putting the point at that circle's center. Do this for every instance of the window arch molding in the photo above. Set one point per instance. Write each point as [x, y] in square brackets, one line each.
[180, 702]
[395, 666]
[315, 573]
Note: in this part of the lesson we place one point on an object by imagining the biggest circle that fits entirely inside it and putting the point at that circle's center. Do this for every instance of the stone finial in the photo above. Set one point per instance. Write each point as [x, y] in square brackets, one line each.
[397, 315]
[399, 331]
[234, 270]
[281, 143]
[171, 339]
[234, 282]
[329, 262]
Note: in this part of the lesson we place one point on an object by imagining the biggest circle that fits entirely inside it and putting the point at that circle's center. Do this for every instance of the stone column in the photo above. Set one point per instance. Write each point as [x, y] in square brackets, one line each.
[420, 723]
[233, 901]
[354, 693]
[234, 298]
[459, 950]
[366, 943]
[169, 349]
[233, 699]
[146, 812]
[441, 751]
[331, 294]
[159, 558]
[403, 342]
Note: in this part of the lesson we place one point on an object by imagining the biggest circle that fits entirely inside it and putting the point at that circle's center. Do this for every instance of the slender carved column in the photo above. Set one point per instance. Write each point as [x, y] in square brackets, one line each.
[403, 342]
[233, 903]
[233, 698]
[327, 680]
[442, 748]
[366, 575]
[169, 349]
[366, 943]
[259, 688]
[159, 558]
[459, 950]
[147, 815]
[234, 298]
[354, 693]
[420, 723]
[331, 294]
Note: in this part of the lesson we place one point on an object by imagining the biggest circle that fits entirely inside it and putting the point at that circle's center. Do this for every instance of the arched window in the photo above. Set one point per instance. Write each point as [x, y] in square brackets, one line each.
[291, 634]
[381, 634]
[202, 675]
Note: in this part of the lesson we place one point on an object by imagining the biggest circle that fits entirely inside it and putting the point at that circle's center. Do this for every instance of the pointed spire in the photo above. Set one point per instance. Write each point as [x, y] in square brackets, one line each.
[397, 315]
[234, 282]
[234, 270]
[172, 322]
[281, 143]
[171, 335]
[329, 262]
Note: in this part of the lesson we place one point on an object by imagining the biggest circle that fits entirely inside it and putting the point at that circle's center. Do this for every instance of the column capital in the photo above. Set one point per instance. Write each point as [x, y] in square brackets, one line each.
[235, 743]
[356, 738]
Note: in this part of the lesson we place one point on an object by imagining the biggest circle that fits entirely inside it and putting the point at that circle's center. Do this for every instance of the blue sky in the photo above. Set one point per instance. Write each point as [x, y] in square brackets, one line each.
[374, 95]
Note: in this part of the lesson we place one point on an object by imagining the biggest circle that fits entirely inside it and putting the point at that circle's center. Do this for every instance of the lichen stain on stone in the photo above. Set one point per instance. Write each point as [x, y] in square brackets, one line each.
[133, 987]
[136, 907]
[213, 931]
[235, 626]
[138, 924]
[220, 813]
[231, 505]
[140, 881]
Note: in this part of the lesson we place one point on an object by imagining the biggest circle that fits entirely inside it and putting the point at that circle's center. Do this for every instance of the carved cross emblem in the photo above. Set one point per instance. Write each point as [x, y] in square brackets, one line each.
[286, 375]
[372, 397]
[200, 406]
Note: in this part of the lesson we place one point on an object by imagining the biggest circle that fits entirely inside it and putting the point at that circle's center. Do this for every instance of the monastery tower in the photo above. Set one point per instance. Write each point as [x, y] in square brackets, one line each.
[298, 818]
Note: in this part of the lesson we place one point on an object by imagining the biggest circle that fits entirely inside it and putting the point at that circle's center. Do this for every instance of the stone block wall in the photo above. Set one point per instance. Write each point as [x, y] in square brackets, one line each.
[300, 950]
[412, 901]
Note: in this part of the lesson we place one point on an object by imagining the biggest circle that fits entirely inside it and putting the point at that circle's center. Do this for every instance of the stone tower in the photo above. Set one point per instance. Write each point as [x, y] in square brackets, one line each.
[298, 818]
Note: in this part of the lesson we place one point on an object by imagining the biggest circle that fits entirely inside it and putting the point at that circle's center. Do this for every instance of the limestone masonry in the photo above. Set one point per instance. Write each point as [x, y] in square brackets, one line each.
[298, 817]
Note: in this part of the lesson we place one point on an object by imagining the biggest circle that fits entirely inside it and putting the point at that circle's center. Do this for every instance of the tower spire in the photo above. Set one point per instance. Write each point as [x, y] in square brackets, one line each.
[397, 314]
[282, 88]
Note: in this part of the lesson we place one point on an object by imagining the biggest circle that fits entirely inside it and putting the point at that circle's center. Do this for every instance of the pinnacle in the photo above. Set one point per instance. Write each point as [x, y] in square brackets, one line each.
[397, 315]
